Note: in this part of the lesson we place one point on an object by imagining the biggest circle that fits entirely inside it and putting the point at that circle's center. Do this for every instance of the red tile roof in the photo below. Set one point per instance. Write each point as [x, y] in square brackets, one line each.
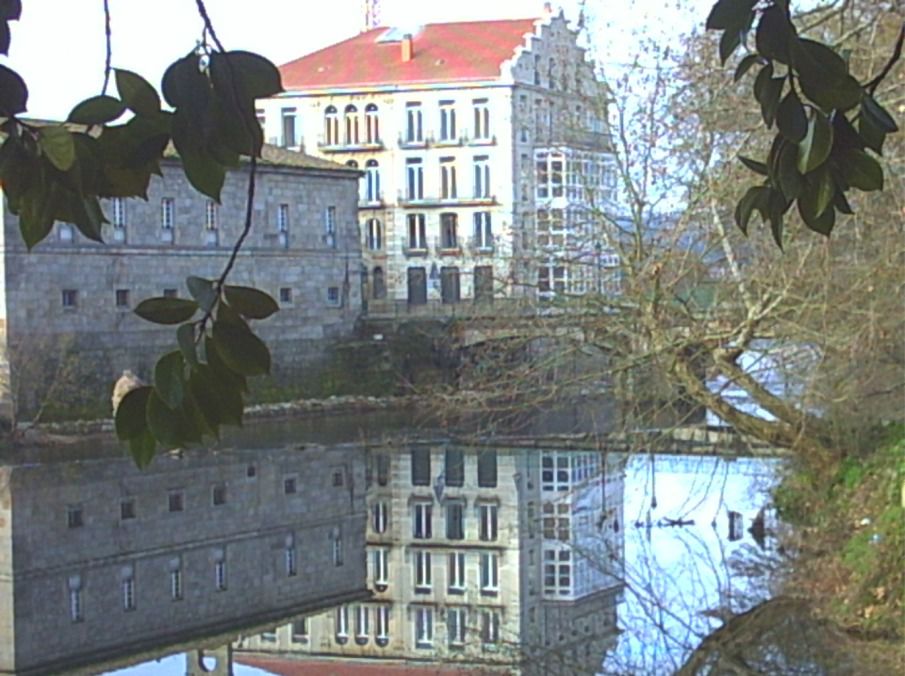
[443, 52]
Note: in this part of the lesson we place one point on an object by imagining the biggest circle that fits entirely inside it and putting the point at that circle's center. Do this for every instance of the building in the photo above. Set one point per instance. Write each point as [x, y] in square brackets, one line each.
[72, 295]
[486, 152]
[103, 563]
[494, 559]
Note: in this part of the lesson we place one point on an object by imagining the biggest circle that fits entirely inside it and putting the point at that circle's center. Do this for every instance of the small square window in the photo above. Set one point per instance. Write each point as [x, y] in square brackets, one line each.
[70, 298]
[218, 495]
[74, 517]
[122, 298]
[285, 295]
[338, 478]
[333, 296]
[170, 293]
[289, 486]
[176, 501]
[251, 471]
[127, 509]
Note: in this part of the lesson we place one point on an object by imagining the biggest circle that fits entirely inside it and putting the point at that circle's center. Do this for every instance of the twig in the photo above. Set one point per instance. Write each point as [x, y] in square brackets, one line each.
[109, 38]
[896, 55]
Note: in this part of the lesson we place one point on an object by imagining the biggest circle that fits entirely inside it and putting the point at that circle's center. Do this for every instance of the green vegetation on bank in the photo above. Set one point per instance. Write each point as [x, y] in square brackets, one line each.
[851, 522]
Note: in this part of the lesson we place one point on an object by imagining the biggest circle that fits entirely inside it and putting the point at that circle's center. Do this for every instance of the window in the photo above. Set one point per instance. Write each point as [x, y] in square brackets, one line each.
[211, 223]
[422, 513]
[338, 478]
[424, 627]
[551, 278]
[300, 630]
[127, 509]
[551, 73]
[251, 471]
[342, 624]
[448, 188]
[380, 517]
[330, 227]
[372, 181]
[421, 466]
[289, 134]
[490, 573]
[167, 218]
[220, 575]
[74, 517]
[483, 283]
[269, 636]
[455, 520]
[374, 234]
[555, 472]
[449, 225]
[537, 69]
[170, 293]
[557, 572]
[380, 286]
[372, 124]
[290, 559]
[481, 119]
[414, 132]
[414, 179]
[417, 236]
[380, 559]
[490, 627]
[333, 297]
[175, 501]
[119, 219]
[488, 515]
[481, 177]
[128, 587]
[350, 119]
[331, 126]
[456, 573]
[448, 121]
[362, 624]
[122, 298]
[70, 298]
[383, 469]
[289, 486]
[549, 174]
[454, 467]
[556, 521]
[487, 469]
[285, 294]
[176, 581]
[551, 230]
[456, 626]
[382, 631]
[449, 285]
[483, 230]
[283, 224]
[337, 548]
[76, 612]
[66, 232]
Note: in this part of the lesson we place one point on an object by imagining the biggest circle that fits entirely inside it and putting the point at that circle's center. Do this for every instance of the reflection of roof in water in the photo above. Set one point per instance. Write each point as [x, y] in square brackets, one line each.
[314, 667]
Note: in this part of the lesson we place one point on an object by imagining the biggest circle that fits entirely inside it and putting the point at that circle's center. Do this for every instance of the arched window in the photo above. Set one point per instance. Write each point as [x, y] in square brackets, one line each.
[331, 126]
[375, 234]
[372, 124]
[351, 123]
[372, 180]
[380, 286]
[362, 184]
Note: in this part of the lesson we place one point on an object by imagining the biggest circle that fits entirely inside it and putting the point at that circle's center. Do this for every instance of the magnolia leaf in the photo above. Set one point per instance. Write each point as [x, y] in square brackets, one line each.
[163, 310]
[862, 171]
[251, 303]
[241, 350]
[142, 448]
[129, 419]
[728, 14]
[791, 119]
[815, 147]
[745, 65]
[169, 379]
[138, 95]
[185, 336]
[202, 290]
[163, 421]
[97, 110]
[754, 165]
[13, 93]
[57, 145]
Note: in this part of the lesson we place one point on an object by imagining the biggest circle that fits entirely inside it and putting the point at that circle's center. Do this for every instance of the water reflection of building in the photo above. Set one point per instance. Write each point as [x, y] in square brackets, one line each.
[499, 558]
[99, 561]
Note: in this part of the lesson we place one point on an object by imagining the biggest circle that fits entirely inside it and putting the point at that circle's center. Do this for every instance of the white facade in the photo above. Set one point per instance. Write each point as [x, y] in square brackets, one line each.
[452, 196]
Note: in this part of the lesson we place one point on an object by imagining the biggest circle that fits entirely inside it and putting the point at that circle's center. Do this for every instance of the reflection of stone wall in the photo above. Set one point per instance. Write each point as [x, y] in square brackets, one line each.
[248, 536]
[305, 264]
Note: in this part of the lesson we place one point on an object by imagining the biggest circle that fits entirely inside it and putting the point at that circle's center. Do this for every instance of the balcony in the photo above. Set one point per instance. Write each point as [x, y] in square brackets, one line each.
[343, 147]
[434, 201]
[482, 141]
[414, 249]
[482, 246]
[407, 143]
[448, 246]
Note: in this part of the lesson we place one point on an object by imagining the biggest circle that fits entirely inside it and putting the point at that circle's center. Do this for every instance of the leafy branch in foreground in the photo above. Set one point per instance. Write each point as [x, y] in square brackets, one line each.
[829, 124]
[61, 172]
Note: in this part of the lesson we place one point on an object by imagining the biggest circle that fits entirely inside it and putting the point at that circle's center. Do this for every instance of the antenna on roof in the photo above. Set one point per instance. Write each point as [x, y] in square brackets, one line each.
[372, 14]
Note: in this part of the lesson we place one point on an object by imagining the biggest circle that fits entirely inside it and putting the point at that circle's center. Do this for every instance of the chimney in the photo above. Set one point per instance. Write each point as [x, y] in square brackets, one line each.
[408, 49]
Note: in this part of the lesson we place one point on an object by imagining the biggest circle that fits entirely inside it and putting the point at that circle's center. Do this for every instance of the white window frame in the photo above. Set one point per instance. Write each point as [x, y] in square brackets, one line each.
[490, 626]
[423, 571]
[557, 572]
[288, 118]
[422, 515]
[382, 624]
[414, 123]
[380, 562]
[362, 623]
[481, 166]
[456, 626]
[483, 229]
[331, 126]
[424, 627]
[448, 131]
[380, 516]
[330, 226]
[341, 620]
[350, 125]
[455, 573]
[167, 219]
[372, 124]
[220, 580]
[414, 174]
[488, 521]
[416, 227]
[176, 584]
[490, 573]
[291, 560]
[372, 181]
[374, 234]
[481, 108]
[449, 189]
[337, 549]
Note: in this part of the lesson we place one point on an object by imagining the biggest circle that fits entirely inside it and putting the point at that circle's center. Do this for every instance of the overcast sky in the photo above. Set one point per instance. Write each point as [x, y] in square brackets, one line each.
[58, 46]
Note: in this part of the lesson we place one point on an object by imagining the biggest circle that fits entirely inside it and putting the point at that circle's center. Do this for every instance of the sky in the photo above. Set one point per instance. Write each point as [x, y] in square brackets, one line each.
[58, 45]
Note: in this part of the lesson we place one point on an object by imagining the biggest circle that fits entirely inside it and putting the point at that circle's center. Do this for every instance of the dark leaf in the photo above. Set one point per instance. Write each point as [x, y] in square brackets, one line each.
[730, 41]
[754, 165]
[185, 85]
[727, 14]
[204, 397]
[138, 95]
[57, 145]
[4, 37]
[13, 93]
[164, 422]
[747, 204]
[862, 171]
[791, 118]
[255, 76]
[241, 350]
[251, 303]
[141, 448]
[202, 290]
[817, 143]
[841, 204]
[37, 208]
[169, 379]
[871, 134]
[808, 209]
[774, 32]
[185, 336]
[97, 110]
[10, 10]
[878, 115]
[221, 372]
[163, 310]
[825, 189]
[745, 65]
[130, 418]
[204, 172]
[787, 175]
